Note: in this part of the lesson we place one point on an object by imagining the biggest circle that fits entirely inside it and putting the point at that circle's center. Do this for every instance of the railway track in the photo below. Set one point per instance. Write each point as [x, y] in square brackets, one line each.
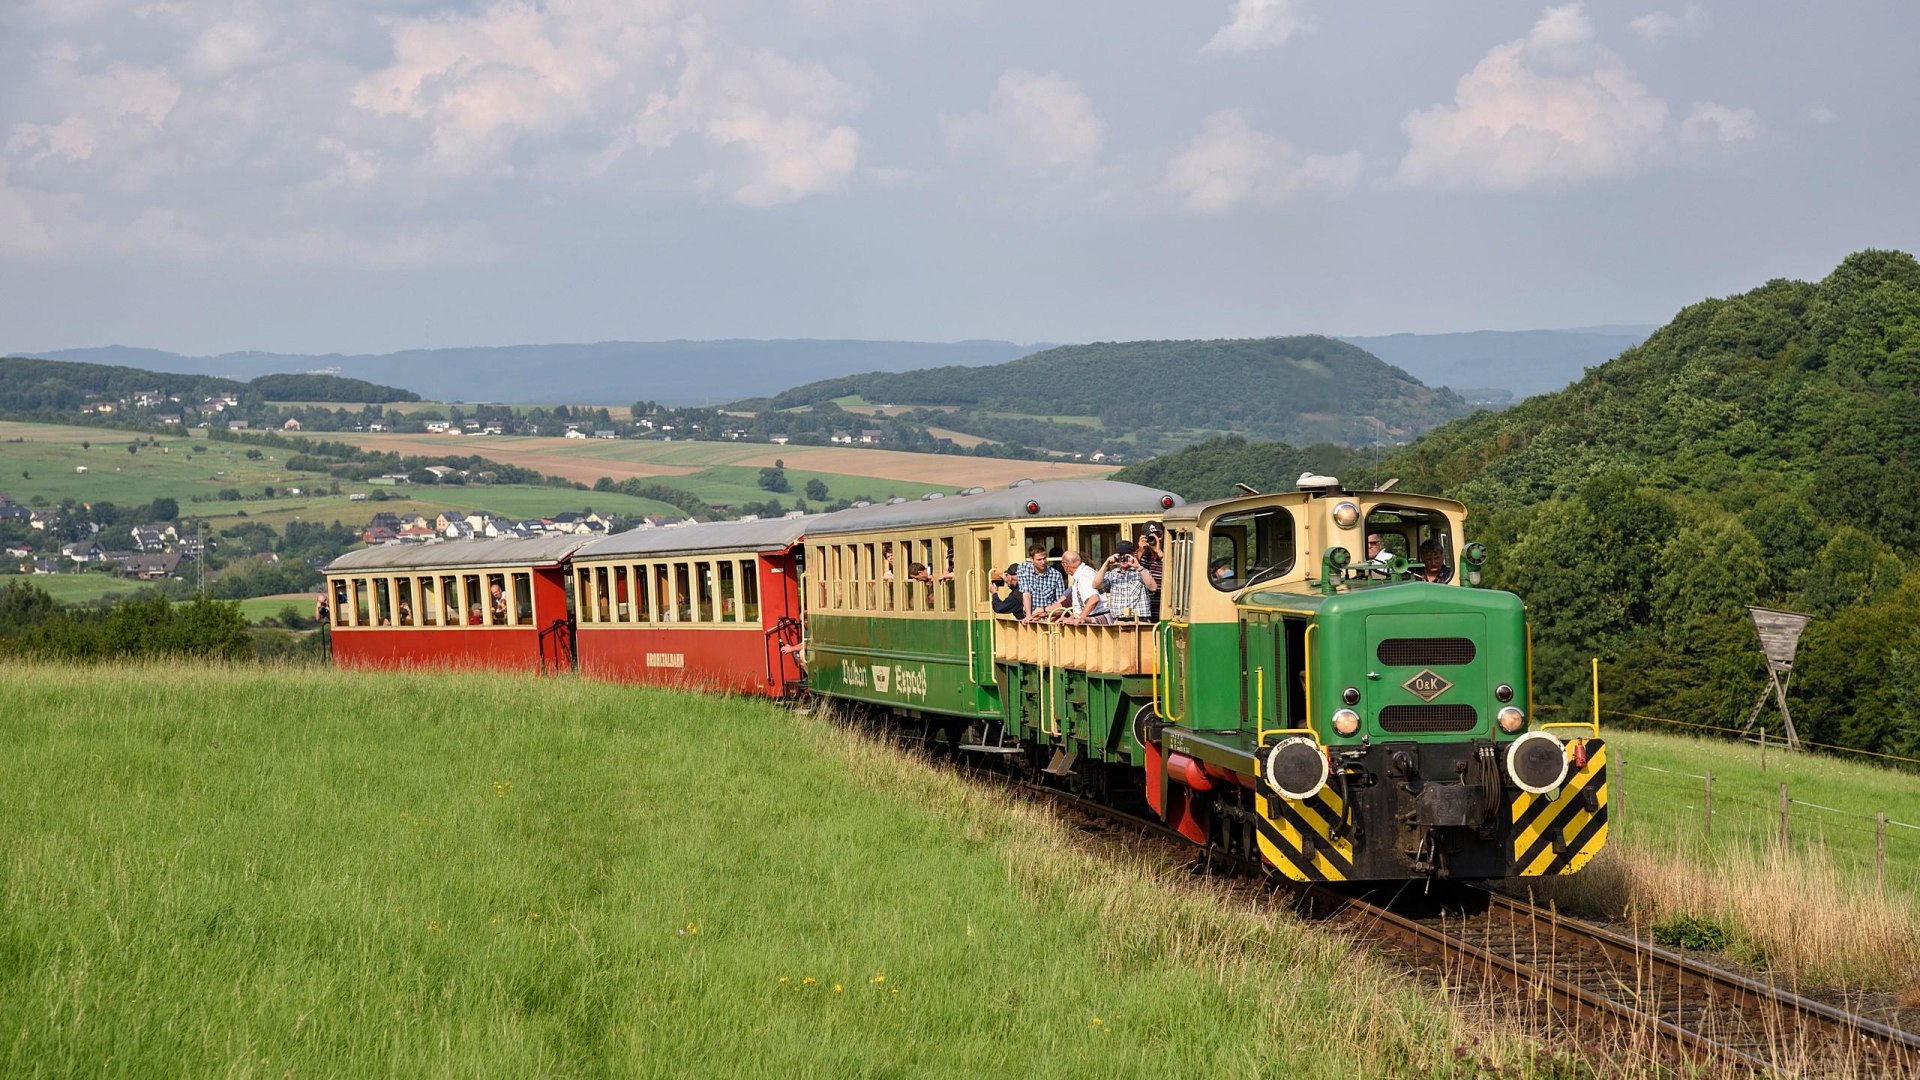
[1651, 1001]
[1619, 997]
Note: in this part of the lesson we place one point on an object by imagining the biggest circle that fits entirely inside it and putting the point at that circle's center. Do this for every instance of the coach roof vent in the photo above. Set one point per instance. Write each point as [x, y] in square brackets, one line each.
[931, 495]
[1319, 485]
[896, 500]
[1020, 483]
[971, 491]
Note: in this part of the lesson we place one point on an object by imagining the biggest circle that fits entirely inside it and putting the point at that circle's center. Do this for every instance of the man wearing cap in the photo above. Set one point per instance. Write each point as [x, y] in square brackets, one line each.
[1128, 585]
[1152, 562]
[1012, 603]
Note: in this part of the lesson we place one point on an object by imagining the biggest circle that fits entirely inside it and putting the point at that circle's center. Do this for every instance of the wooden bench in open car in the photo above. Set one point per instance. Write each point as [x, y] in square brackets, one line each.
[714, 606]
[480, 603]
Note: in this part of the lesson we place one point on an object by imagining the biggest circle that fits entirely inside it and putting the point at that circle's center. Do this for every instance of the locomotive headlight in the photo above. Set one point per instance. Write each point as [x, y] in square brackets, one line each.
[1503, 692]
[1537, 762]
[1346, 721]
[1346, 515]
[1511, 719]
[1296, 768]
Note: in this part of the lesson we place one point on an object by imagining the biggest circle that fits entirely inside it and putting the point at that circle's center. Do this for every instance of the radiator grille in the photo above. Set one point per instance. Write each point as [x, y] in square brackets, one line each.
[1425, 652]
[1409, 719]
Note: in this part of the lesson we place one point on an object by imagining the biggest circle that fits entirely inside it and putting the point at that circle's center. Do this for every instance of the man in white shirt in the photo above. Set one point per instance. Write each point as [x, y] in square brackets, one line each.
[1087, 604]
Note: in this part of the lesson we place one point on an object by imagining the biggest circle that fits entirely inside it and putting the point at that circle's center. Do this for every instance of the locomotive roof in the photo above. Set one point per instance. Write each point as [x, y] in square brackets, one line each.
[1057, 498]
[776, 534]
[534, 551]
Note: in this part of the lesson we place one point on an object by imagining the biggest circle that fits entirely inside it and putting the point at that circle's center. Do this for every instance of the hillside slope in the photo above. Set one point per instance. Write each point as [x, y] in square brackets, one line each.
[1302, 389]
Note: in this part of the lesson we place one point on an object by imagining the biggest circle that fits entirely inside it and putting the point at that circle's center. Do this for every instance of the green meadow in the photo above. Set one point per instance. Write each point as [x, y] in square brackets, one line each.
[47, 463]
[252, 872]
[81, 588]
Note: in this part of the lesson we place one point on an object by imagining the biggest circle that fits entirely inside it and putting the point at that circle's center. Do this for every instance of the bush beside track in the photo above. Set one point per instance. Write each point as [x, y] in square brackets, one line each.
[267, 871]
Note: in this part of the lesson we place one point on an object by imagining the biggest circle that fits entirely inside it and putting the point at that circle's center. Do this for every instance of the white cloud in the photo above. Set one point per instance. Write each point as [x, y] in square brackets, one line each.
[1820, 114]
[236, 127]
[1229, 164]
[1710, 123]
[1032, 122]
[1257, 25]
[1657, 26]
[1553, 109]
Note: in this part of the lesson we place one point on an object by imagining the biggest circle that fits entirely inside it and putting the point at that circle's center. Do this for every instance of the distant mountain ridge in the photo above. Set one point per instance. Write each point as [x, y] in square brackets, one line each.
[601, 373]
[1519, 363]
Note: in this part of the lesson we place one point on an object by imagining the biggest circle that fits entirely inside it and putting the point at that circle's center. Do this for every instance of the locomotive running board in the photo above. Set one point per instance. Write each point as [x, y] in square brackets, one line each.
[975, 749]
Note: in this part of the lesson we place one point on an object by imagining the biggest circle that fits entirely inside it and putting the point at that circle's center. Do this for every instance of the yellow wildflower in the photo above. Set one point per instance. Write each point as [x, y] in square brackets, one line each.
[837, 988]
[783, 980]
[433, 927]
[1099, 1023]
[808, 981]
[879, 978]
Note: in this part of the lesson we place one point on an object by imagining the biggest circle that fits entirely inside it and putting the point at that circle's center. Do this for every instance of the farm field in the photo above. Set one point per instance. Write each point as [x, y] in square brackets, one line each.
[257, 608]
[587, 460]
[44, 464]
[307, 873]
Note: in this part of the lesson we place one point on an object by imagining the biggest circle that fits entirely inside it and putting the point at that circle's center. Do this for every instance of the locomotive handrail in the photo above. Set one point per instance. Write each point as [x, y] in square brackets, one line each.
[1306, 668]
[1260, 705]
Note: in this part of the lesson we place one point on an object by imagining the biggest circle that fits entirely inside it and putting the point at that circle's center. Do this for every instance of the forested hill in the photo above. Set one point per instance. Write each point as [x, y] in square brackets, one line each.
[64, 386]
[1302, 389]
[1759, 449]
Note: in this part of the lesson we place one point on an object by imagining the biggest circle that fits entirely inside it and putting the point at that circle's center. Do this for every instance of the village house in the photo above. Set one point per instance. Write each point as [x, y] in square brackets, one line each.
[779, 439]
[574, 433]
[151, 567]
[236, 425]
[82, 551]
[871, 435]
[840, 437]
[292, 424]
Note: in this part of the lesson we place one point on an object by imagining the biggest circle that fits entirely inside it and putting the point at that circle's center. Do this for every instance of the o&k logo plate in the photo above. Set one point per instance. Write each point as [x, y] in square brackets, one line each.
[1427, 685]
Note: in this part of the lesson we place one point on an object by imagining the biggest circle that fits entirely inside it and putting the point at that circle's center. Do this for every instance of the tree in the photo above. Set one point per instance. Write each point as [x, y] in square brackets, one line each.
[817, 489]
[86, 444]
[133, 448]
[775, 480]
[165, 508]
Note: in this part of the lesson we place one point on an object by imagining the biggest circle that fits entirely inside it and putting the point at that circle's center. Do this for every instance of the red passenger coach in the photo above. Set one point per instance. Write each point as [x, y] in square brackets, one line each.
[706, 606]
[473, 603]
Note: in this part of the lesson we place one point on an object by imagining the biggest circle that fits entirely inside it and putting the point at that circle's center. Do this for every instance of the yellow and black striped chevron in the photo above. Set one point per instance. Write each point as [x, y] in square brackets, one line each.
[1560, 835]
[1301, 839]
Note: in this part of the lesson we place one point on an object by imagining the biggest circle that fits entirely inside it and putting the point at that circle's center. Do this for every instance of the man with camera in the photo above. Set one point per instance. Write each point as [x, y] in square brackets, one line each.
[1012, 602]
[1129, 585]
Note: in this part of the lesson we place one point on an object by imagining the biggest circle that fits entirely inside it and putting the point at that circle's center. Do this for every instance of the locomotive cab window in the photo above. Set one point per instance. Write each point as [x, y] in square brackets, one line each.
[1249, 547]
[1422, 537]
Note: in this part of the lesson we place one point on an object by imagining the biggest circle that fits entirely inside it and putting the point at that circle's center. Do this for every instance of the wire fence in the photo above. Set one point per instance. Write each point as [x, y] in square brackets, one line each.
[1744, 734]
[1785, 817]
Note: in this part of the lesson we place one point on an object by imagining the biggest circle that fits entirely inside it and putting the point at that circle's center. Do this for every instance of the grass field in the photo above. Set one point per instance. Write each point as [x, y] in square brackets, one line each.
[79, 588]
[44, 465]
[302, 873]
[269, 607]
[1812, 908]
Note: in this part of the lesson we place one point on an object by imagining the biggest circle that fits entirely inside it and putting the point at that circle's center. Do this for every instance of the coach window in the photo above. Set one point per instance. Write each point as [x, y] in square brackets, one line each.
[495, 601]
[583, 594]
[360, 601]
[642, 592]
[521, 597]
[682, 595]
[729, 591]
[429, 612]
[454, 614]
[1053, 538]
[403, 601]
[1249, 547]
[749, 590]
[984, 564]
[473, 596]
[342, 616]
[865, 597]
[1097, 541]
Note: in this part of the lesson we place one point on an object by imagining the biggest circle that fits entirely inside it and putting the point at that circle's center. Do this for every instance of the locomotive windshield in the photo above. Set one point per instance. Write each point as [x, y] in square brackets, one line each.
[1422, 537]
[1249, 547]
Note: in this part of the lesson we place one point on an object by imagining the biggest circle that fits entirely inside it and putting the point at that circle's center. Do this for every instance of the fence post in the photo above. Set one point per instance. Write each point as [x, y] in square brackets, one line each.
[1784, 812]
[1709, 835]
[1763, 748]
[1880, 853]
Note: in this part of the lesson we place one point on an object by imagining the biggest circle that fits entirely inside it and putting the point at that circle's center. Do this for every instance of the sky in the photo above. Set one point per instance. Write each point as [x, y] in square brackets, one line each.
[372, 175]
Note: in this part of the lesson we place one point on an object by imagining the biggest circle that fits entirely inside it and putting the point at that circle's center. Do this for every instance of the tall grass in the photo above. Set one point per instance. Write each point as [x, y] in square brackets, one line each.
[253, 872]
[1811, 911]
